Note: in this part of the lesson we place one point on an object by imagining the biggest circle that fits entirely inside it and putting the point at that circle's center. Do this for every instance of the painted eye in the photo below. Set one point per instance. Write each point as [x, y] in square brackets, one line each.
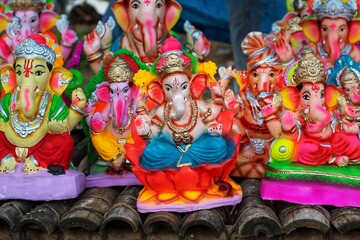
[342, 29]
[125, 90]
[306, 97]
[33, 20]
[184, 87]
[39, 73]
[18, 73]
[272, 75]
[159, 5]
[111, 91]
[135, 6]
[255, 74]
[324, 29]
[167, 89]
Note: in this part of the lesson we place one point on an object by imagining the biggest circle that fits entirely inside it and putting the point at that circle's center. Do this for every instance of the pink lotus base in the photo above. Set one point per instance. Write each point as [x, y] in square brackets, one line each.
[107, 180]
[41, 185]
[310, 192]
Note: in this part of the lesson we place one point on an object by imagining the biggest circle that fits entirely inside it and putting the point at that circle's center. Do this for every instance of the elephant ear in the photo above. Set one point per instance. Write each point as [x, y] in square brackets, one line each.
[290, 98]
[156, 93]
[198, 85]
[172, 14]
[59, 80]
[8, 78]
[332, 95]
[120, 10]
[311, 29]
[354, 31]
[48, 20]
[4, 20]
[102, 92]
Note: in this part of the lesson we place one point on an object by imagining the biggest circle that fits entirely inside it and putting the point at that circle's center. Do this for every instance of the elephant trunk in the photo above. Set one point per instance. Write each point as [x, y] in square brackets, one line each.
[356, 99]
[320, 116]
[27, 101]
[334, 47]
[149, 24]
[178, 110]
[119, 111]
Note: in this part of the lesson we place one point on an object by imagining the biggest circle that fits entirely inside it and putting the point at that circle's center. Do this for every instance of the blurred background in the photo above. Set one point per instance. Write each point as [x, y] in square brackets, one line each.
[224, 22]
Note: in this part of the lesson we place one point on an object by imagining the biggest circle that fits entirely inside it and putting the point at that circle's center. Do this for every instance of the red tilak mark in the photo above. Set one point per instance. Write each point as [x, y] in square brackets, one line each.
[147, 2]
[332, 26]
[315, 87]
[28, 66]
[176, 82]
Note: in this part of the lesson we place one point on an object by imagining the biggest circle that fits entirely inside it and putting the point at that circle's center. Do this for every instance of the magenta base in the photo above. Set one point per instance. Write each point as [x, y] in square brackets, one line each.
[41, 185]
[310, 192]
[106, 180]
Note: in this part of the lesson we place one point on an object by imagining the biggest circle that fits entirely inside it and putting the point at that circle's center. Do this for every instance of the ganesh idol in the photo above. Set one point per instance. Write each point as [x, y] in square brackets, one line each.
[317, 152]
[35, 143]
[111, 107]
[256, 108]
[22, 18]
[183, 151]
[334, 30]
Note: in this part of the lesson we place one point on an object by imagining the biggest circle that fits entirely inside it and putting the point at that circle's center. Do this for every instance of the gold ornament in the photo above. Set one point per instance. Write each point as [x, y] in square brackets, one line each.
[310, 68]
[34, 5]
[181, 134]
[119, 71]
[174, 64]
[348, 76]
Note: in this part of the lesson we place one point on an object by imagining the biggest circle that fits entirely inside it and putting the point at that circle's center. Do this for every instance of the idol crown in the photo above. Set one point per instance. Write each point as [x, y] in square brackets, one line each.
[173, 64]
[335, 9]
[35, 5]
[29, 48]
[348, 76]
[310, 68]
[120, 71]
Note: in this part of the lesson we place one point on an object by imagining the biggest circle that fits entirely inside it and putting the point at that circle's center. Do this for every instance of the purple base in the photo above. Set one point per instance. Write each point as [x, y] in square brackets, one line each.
[107, 180]
[310, 192]
[143, 207]
[41, 185]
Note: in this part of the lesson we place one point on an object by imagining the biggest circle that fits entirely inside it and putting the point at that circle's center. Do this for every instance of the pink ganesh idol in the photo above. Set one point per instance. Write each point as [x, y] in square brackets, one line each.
[111, 107]
[316, 153]
[25, 17]
[334, 31]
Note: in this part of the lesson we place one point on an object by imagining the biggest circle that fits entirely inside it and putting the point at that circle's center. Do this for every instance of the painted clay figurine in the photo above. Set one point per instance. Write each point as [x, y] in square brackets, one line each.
[25, 17]
[186, 157]
[35, 122]
[110, 109]
[146, 24]
[256, 111]
[334, 31]
[315, 161]
[346, 75]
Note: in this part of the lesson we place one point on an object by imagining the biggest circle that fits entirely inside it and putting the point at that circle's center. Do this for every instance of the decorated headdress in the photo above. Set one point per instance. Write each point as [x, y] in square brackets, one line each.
[34, 5]
[120, 68]
[349, 76]
[310, 68]
[254, 46]
[172, 59]
[335, 9]
[338, 71]
[41, 47]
